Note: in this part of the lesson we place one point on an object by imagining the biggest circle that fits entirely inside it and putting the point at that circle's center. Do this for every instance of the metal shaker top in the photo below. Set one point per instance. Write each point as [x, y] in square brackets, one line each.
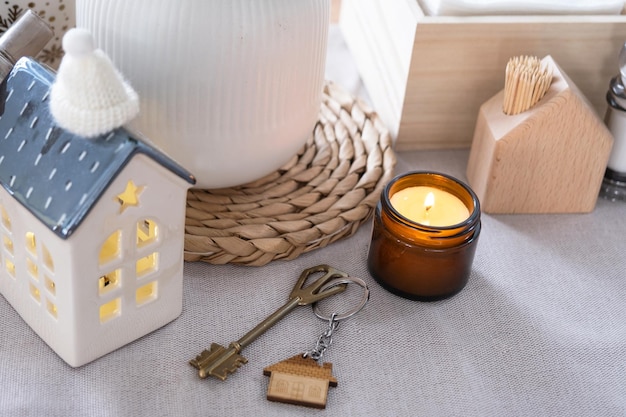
[26, 37]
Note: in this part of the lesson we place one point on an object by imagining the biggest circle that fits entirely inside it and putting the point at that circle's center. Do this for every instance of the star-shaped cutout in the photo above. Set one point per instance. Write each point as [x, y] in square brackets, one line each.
[130, 196]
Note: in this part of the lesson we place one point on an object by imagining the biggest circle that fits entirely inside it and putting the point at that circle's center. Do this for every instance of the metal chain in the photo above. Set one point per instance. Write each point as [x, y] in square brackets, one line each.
[324, 341]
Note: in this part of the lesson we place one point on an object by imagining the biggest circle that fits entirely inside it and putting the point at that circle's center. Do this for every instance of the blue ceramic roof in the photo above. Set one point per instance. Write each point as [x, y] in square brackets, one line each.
[56, 175]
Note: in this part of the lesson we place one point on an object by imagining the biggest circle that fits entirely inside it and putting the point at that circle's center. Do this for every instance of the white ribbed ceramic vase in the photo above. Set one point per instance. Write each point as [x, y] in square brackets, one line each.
[229, 88]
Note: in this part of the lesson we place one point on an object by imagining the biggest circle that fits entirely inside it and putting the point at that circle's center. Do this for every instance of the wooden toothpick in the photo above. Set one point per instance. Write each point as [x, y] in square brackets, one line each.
[526, 82]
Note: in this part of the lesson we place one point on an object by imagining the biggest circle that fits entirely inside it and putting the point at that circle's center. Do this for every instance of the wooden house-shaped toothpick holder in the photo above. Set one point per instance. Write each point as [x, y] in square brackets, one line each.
[548, 159]
[91, 231]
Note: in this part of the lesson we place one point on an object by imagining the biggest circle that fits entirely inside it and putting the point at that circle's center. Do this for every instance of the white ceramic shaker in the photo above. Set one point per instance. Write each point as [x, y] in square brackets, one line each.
[231, 89]
[614, 182]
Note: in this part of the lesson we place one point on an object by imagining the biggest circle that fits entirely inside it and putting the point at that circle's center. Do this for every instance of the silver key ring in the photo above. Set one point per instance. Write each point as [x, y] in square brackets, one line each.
[350, 313]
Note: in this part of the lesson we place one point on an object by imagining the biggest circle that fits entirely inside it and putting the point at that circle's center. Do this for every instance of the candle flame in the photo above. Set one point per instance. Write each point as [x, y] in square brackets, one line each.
[429, 201]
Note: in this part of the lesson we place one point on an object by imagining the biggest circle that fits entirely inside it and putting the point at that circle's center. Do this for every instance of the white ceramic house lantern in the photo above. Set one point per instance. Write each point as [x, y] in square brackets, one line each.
[91, 230]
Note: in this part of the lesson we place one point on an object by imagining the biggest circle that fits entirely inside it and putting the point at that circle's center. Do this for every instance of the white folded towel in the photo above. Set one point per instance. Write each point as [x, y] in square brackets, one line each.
[517, 7]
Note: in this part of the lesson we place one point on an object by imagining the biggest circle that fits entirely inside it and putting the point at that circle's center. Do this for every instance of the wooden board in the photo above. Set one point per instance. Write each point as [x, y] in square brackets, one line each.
[457, 63]
[334, 11]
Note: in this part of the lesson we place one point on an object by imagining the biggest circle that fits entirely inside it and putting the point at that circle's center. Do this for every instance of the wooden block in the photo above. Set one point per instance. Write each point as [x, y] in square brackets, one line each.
[427, 76]
[549, 159]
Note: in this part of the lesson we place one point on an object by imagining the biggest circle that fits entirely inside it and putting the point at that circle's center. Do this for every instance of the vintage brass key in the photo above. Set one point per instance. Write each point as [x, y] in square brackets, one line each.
[219, 361]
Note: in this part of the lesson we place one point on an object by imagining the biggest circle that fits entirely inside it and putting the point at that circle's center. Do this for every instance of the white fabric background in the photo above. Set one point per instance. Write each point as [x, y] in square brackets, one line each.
[540, 330]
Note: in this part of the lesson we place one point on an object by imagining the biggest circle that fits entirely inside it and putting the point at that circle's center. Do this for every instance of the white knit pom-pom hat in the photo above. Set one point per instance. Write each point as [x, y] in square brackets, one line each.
[89, 96]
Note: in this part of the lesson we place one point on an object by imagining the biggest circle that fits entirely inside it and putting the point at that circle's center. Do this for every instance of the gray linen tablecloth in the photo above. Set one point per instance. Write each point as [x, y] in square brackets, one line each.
[540, 330]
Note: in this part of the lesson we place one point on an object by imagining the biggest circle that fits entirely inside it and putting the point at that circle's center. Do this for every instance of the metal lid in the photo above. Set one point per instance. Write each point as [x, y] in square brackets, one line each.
[26, 37]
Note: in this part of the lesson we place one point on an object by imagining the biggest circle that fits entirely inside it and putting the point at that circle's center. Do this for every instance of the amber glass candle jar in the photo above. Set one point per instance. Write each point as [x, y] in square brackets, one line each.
[420, 261]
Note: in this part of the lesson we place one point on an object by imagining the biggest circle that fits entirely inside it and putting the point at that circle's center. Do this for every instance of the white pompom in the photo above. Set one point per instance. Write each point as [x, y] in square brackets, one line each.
[78, 42]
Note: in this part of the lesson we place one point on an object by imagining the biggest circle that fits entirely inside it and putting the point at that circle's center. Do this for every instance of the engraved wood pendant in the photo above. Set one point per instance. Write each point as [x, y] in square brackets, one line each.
[301, 381]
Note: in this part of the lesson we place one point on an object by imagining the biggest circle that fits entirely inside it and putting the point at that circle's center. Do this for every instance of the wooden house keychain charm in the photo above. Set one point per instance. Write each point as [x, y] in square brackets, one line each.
[301, 379]
[91, 216]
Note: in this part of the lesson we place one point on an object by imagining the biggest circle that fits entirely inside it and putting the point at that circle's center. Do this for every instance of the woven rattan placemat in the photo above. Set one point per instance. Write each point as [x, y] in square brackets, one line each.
[323, 194]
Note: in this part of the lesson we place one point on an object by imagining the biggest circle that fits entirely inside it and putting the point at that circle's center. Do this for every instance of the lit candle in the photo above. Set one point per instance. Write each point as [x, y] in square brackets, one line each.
[430, 206]
[424, 237]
